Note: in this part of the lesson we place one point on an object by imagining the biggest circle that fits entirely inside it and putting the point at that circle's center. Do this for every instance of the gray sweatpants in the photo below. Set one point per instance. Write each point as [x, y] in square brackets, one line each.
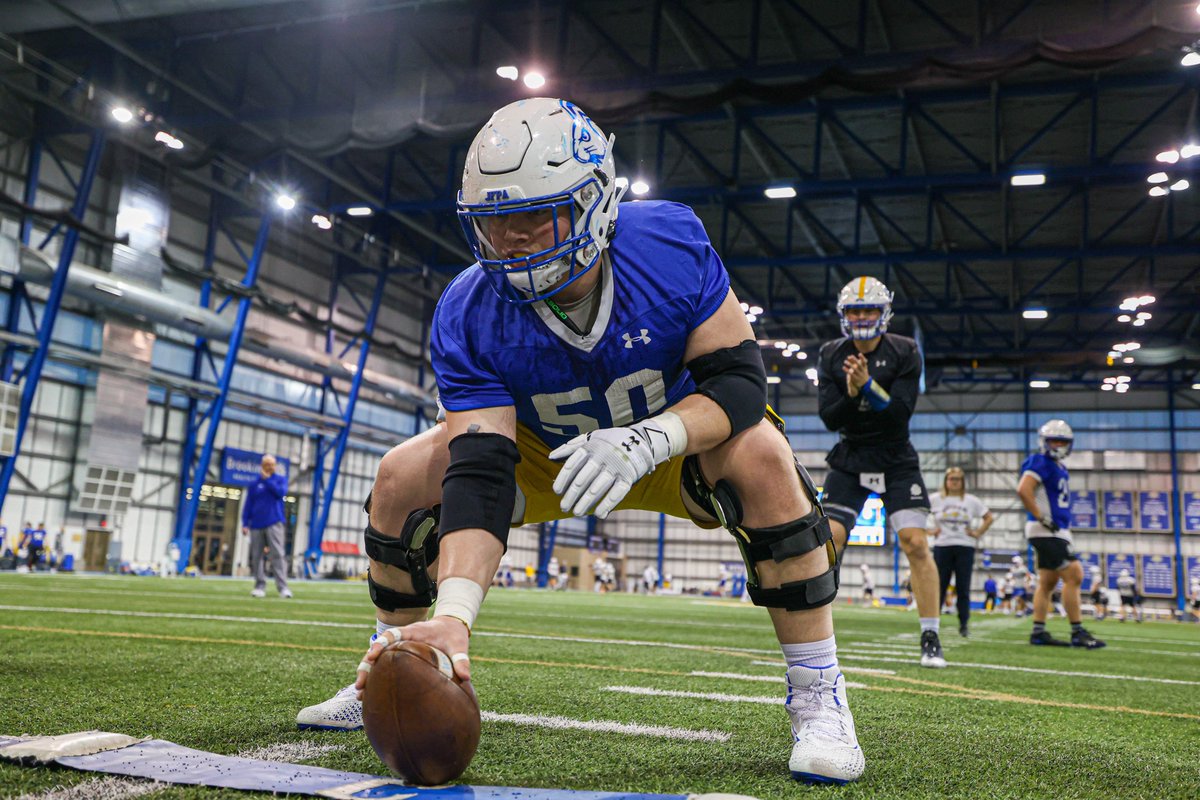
[272, 538]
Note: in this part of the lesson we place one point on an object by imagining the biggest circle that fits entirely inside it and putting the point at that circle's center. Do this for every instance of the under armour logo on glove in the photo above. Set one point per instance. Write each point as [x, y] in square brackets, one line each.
[642, 337]
[631, 443]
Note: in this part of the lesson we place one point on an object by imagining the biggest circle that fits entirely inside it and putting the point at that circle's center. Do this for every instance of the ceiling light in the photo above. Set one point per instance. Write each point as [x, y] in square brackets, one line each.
[1137, 323]
[1190, 59]
[1158, 177]
[1167, 157]
[285, 201]
[780, 345]
[773, 379]
[1145, 299]
[509, 73]
[1180, 185]
[780, 192]
[122, 115]
[534, 80]
[1110, 379]
[1106, 387]
[169, 140]
[745, 307]
[1189, 150]
[321, 221]
[1196, 386]
[1127, 360]
[1028, 179]
[1035, 313]
[1158, 191]
[1039, 384]
[801, 354]
[793, 347]
[756, 310]
[1122, 379]
[811, 374]
[1122, 388]
[1124, 318]
[786, 353]
[751, 318]
[639, 187]
[1145, 315]
[360, 211]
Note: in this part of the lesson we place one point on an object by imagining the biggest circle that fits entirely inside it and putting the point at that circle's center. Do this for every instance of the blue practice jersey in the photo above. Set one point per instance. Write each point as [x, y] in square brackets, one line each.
[661, 281]
[1053, 496]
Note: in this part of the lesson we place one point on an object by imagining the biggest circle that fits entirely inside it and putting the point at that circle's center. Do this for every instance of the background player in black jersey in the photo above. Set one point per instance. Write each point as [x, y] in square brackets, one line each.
[868, 383]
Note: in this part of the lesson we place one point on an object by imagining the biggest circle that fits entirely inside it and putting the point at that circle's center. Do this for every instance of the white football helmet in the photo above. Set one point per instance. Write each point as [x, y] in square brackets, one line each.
[546, 155]
[1056, 429]
[865, 292]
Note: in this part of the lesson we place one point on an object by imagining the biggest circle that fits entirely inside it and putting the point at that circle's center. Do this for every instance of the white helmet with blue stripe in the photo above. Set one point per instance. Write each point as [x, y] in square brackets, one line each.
[1056, 430]
[540, 155]
[865, 292]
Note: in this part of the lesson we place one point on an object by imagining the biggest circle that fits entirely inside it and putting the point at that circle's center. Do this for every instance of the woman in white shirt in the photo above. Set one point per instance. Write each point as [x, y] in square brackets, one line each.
[956, 515]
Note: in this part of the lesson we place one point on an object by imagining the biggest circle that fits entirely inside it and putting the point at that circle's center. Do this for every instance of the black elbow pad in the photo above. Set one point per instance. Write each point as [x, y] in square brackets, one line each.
[734, 378]
[479, 489]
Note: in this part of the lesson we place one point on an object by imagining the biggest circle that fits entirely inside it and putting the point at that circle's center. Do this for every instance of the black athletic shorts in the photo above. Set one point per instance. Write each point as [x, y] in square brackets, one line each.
[1135, 600]
[845, 495]
[1052, 552]
[1099, 597]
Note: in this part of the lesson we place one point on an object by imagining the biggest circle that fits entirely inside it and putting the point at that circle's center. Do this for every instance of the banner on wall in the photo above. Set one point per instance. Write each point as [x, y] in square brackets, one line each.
[1191, 512]
[1193, 571]
[1084, 510]
[1091, 570]
[1154, 511]
[1118, 511]
[1114, 563]
[1158, 576]
[241, 467]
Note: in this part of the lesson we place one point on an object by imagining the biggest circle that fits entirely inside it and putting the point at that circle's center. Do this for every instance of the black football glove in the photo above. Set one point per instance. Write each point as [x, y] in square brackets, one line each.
[1049, 524]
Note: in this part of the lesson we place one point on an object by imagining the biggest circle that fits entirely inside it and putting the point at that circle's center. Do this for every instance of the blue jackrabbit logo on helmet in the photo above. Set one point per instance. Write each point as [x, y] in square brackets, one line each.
[587, 145]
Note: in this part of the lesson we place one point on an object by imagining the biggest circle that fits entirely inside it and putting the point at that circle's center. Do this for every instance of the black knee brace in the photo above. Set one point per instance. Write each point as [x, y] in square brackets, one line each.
[778, 542]
[413, 552]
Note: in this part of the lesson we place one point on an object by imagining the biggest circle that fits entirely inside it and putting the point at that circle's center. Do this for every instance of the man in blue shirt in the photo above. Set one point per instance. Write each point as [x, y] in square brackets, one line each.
[989, 593]
[1044, 493]
[34, 542]
[262, 521]
[588, 365]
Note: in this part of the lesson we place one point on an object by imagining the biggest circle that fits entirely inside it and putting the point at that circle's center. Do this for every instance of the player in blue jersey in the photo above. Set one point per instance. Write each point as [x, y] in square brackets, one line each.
[588, 365]
[1044, 493]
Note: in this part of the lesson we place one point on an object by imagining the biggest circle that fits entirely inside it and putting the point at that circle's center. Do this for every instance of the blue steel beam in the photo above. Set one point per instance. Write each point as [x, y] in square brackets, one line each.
[185, 517]
[32, 371]
[17, 296]
[317, 533]
[547, 532]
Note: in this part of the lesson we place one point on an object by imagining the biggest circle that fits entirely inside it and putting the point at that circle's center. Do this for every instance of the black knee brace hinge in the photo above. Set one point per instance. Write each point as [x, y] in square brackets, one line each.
[413, 552]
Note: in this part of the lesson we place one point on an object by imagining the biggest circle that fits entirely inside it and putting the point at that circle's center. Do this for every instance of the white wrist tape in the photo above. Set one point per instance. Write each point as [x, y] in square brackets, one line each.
[459, 598]
[677, 434]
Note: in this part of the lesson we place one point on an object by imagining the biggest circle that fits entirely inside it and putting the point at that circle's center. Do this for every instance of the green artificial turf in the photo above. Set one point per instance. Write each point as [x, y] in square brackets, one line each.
[200, 663]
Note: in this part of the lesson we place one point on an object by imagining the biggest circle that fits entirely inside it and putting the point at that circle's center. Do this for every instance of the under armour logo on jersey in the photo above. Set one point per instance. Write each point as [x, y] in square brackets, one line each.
[881, 362]
[630, 339]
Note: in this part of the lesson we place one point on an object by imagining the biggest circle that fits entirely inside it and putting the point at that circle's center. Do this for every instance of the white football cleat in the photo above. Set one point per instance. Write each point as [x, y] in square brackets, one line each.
[826, 747]
[258, 592]
[342, 712]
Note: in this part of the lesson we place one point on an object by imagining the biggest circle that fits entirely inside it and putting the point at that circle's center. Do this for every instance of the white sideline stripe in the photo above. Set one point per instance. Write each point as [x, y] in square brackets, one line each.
[601, 726]
[843, 667]
[716, 696]
[291, 752]
[108, 788]
[852, 651]
[1036, 670]
[737, 676]
[627, 642]
[232, 598]
[1113, 647]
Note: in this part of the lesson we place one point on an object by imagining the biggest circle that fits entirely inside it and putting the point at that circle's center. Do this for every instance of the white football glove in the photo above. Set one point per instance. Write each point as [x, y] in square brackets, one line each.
[604, 464]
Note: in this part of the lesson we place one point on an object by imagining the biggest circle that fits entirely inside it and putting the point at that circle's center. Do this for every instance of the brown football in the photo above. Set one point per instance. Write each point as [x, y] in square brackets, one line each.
[421, 719]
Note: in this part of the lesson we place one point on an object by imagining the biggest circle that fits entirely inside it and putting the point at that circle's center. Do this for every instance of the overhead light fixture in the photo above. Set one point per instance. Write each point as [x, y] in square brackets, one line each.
[122, 114]
[1127, 360]
[639, 187]
[811, 374]
[1028, 179]
[1190, 59]
[1189, 151]
[1145, 315]
[751, 318]
[1137, 323]
[1124, 318]
[1158, 177]
[756, 310]
[1039, 384]
[285, 201]
[321, 221]
[1167, 157]
[1180, 185]
[786, 353]
[534, 80]
[1158, 191]
[774, 379]
[800, 354]
[508, 73]
[745, 308]
[780, 345]
[170, 141]
[1146, 299]
[1122, 379]
[360, 211]
[780, 192]
[1122, 388]
[793, 347]
[1035, 313]
[1196, 386]
[1106, 387]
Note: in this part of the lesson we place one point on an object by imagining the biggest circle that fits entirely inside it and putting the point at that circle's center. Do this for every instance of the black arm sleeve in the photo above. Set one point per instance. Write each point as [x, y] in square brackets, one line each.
[904, 391]
[836, 409]
[735, 379]
[479, 489]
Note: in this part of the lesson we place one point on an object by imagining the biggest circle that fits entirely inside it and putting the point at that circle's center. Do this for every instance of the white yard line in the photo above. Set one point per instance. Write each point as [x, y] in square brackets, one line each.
[1006, 668]
[291, 752]
[715, 696]
[170, 615]
[365, 606]
[843, 667]
[602, 726]
[107, 788]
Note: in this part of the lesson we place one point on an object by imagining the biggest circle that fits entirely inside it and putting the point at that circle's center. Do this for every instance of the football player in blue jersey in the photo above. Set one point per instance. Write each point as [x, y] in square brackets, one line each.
[588, 364]
[1045, 494]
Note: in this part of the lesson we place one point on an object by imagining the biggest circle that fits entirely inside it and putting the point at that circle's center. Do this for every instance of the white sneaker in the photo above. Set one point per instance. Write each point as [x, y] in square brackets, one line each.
[826, 747]
[342, 712]
[258, 592]
[286, 594]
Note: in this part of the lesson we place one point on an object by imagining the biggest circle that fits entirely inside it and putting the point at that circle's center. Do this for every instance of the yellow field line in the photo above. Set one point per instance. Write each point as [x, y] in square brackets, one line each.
[946, 689]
